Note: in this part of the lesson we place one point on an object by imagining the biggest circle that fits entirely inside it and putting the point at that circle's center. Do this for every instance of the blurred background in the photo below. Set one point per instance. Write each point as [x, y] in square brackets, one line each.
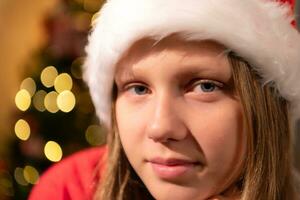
[45, 108]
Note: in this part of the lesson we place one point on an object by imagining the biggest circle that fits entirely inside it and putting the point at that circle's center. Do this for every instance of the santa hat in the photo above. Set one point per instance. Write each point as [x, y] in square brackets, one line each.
[258, 30]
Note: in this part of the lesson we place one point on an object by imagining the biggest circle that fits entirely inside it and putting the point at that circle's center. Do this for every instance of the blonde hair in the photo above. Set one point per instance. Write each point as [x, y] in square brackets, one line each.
[267, 173]
[268, 165]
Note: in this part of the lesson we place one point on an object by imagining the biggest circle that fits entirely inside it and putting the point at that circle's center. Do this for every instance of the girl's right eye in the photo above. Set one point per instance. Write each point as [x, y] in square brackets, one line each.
[138, 89]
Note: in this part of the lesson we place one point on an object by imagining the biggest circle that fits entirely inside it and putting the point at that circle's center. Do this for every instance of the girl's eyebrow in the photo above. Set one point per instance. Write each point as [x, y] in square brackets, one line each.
[188, 72]
[124, 74]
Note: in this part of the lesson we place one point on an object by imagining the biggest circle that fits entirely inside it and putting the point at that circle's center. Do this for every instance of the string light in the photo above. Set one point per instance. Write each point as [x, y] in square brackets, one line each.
[84, 103]
[53, 151]
[79, 1]
[81, 21]
[76, 68]
[94, 18]
[31, 175]
[48, 76]
[29, 85]
[50, 102]
[6, 183]
[23, 100]
[38, 100]
[66, 101]
[94, 135]
[63, 82]
[19, 176]
[92, 5]
[22, 129]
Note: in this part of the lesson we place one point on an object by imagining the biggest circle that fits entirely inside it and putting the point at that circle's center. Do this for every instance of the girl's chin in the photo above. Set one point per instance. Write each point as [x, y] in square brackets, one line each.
[169, 191]
[180, 196]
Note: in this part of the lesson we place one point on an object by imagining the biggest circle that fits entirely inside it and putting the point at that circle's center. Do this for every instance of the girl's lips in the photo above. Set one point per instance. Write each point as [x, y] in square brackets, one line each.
[172, 168]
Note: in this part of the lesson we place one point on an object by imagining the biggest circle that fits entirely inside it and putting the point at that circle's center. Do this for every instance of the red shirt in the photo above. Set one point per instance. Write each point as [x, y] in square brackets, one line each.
[73, 178]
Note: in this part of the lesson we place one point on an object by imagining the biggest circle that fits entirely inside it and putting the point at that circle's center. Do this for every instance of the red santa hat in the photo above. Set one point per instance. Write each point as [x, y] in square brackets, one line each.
[258, 30]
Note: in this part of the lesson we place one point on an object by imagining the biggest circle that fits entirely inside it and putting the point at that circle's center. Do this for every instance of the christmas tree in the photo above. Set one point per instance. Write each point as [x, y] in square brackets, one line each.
[55, 114]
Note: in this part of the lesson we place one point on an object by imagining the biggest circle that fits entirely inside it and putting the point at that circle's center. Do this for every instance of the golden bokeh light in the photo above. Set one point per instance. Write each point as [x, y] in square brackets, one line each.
[38, 100]
[92, 5]
[63, 82]
[84, 104]
[23, 100]
[22, 129]
[53, 151]
[94, 18]
[29, 85]
[6, 183]
[82, 21]
[31, 175]
[19, 176]
[94, 135]
[66, 101]
[76, 67]
[79, 1]
[48, 76]
[5, 179]
[50, 102]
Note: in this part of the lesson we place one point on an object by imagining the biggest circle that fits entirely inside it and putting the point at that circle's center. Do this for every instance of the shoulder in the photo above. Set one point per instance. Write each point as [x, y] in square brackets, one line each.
[72, 178]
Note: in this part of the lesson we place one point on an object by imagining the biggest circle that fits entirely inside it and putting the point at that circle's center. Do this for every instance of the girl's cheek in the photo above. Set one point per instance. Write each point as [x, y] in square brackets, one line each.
[218, 130]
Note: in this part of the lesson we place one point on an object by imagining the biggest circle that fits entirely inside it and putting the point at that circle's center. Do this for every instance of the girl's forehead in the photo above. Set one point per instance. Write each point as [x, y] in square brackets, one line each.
[147, 46]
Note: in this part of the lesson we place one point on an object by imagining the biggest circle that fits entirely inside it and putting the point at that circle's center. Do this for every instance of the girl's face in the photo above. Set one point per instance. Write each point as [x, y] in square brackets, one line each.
[179, 120]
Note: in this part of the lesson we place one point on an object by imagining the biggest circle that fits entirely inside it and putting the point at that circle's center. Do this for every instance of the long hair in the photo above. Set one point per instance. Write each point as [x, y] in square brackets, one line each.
[268, 165]
[267, 173]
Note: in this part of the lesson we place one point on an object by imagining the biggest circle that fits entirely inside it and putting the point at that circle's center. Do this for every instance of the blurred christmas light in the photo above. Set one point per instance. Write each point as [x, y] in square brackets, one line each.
[23, 100]
[19, 176]
[79, 1]
[53, 151]
[50, 102]
[66, 101]
[6, 183]
[31, 175]
[5, 180]
[63, 82]
[92, 5]
[29, 85]
[94, 135]
[76, 67]
[84, 104]
[82, 21]
[38, 100]
[48, 76]
[22, 129]
[94, 18]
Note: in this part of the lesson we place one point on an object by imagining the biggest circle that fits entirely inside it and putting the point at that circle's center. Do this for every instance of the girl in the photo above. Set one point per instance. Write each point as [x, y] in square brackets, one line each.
[199, 99]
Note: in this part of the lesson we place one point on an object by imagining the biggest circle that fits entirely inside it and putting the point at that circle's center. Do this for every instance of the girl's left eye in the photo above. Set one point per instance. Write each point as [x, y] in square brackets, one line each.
[138, 89]
[206, 86]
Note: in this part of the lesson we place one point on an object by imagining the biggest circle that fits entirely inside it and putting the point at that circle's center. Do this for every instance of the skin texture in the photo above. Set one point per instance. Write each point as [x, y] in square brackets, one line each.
[176, 100]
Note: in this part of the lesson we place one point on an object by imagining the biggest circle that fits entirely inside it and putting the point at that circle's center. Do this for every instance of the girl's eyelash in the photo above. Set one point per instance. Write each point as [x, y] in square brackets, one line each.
[131, 86]
[196, 82]
[128, 85]
[125, 85]
[217, 83]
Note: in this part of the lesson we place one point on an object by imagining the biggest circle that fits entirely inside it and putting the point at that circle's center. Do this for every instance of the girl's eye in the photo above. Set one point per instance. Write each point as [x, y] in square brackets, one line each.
[138, 89]
[207, 86]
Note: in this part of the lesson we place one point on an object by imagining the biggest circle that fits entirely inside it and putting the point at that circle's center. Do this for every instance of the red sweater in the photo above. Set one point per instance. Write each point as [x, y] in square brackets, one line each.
[74, 178]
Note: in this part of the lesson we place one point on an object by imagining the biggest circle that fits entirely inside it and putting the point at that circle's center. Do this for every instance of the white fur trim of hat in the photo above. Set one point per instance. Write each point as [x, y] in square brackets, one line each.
[258, 30]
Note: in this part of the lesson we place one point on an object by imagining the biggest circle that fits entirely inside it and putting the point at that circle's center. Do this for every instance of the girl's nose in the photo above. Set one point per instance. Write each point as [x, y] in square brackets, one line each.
[166, 123]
